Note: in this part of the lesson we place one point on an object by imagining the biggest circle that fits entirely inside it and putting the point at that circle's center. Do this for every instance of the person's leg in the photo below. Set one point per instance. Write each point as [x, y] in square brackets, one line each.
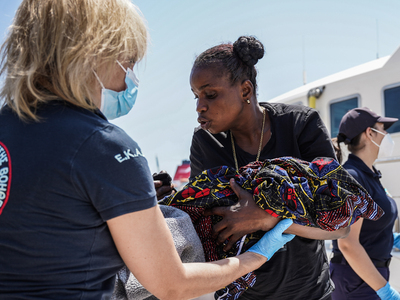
[337, 271]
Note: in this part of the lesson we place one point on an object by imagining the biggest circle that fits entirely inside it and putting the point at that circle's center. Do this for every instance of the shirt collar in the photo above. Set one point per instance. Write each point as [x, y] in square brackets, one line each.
[358, 162]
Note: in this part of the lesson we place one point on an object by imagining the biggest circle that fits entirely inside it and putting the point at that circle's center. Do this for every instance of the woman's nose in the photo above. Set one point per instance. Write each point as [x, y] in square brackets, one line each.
[201, 106]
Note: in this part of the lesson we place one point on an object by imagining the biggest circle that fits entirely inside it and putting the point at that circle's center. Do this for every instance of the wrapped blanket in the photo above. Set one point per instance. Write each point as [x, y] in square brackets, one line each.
[320, 194]
[186, 242]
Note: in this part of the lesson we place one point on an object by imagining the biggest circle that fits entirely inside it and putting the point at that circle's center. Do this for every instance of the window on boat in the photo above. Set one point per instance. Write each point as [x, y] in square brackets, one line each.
[338, 109]
[391, 98]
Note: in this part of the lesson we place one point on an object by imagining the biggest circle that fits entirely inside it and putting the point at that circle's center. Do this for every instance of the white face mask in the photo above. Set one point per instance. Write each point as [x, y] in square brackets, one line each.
[387, 145]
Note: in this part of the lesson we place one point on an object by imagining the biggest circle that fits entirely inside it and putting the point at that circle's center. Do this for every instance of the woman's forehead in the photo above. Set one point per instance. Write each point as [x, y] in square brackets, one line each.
[211, 76]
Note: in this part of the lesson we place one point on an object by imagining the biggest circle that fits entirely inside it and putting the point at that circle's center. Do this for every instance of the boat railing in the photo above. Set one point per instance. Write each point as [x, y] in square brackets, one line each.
[388, 159]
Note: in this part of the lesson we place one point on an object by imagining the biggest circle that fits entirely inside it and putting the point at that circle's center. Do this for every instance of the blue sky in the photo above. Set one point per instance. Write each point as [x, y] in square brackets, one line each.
[324, 37]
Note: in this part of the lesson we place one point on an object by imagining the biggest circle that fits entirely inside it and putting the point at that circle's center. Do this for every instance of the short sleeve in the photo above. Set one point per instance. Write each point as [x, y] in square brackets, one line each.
[110, 171]
[356, 176]
[314, 138]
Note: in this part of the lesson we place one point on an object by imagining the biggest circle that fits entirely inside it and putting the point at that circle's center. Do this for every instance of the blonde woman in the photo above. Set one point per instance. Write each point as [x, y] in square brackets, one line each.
[76, 196]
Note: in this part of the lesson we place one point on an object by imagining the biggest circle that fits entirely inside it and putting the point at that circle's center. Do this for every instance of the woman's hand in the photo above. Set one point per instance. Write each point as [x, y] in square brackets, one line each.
[388, 293]
[273, 240]
[163, 184]
[240, 219]
[163, 190]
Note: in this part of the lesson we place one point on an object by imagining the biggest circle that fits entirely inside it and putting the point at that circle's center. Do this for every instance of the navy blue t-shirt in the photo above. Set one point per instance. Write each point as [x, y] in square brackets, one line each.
[63, 178]
[376, 236]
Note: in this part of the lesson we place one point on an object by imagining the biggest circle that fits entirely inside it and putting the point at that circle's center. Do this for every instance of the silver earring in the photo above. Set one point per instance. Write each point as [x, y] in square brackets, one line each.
[248, 101]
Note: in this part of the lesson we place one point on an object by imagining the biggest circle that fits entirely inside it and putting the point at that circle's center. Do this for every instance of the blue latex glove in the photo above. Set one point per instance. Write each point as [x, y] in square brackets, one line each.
[388, 293]
[396, 243]
[273, 240]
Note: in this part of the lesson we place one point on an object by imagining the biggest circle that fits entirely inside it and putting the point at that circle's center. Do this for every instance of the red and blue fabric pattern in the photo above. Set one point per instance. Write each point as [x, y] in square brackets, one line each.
[319, 194]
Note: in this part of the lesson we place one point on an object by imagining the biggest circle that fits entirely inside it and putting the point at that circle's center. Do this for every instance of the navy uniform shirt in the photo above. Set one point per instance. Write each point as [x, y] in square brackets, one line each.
[66, 176]
[376, 236]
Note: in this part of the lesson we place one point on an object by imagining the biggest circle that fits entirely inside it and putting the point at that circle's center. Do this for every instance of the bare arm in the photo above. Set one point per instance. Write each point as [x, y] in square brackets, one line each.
[358, 258]
[146, 246]
[316, 233]
[246, 217]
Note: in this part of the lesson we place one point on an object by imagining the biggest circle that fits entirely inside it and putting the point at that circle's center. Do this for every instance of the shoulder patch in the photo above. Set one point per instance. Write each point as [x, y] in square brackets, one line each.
[5, 176]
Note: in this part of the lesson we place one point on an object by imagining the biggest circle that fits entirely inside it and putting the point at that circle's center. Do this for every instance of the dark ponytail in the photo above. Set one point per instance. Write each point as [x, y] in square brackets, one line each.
[338, 151]
[353, 145]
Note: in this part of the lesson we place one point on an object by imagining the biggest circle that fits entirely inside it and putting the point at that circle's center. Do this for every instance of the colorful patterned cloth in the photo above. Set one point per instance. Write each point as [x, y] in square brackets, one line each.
[319, 194]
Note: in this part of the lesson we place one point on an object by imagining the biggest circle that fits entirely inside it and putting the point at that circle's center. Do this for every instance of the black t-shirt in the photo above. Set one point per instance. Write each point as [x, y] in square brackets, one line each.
[66, 176]
[376, 237]
[300, 270]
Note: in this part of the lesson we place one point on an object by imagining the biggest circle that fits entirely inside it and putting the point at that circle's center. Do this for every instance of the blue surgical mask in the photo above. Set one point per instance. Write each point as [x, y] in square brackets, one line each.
[116, 104]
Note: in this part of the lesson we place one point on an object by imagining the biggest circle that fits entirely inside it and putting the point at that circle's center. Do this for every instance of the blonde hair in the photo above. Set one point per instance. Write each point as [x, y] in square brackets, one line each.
[53, 47]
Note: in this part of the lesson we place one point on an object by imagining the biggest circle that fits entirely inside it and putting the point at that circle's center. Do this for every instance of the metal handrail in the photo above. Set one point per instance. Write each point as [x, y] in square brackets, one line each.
[388, 159]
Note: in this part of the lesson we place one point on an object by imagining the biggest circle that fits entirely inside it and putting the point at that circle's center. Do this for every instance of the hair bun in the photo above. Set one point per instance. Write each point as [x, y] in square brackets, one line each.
[248, 49]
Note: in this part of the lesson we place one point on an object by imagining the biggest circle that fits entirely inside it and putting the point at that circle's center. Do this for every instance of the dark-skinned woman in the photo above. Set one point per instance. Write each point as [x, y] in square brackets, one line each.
[235, 130]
